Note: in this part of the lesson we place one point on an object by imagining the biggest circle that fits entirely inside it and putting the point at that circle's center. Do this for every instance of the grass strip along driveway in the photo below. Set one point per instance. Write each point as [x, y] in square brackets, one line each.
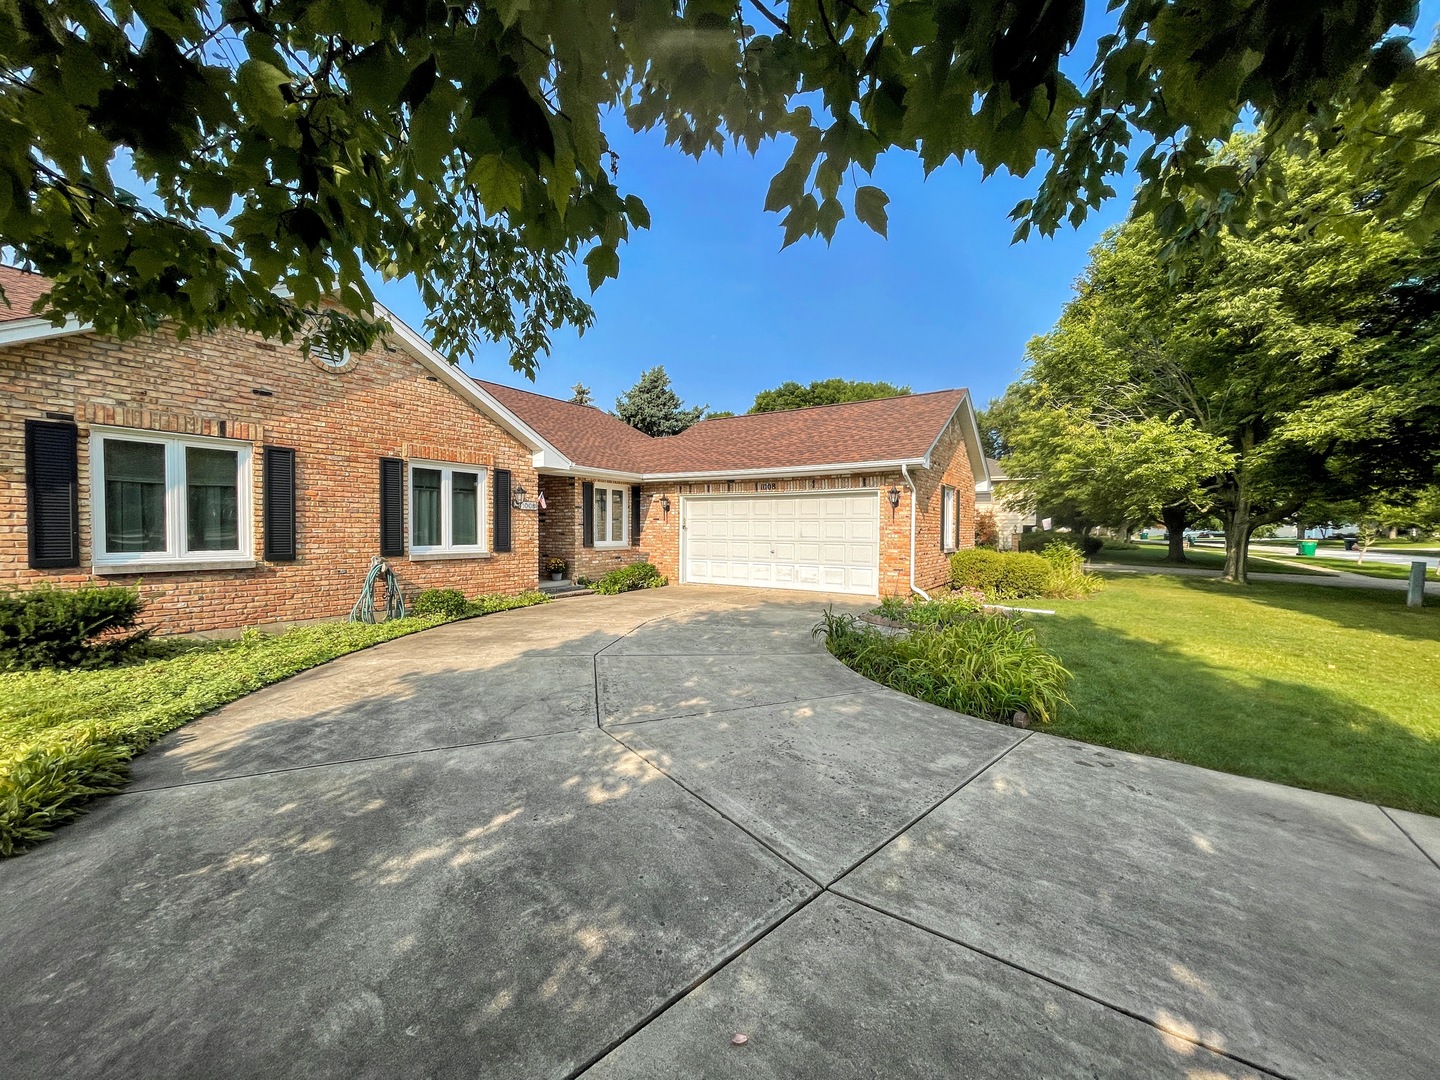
[66, 736]
[1328, 689]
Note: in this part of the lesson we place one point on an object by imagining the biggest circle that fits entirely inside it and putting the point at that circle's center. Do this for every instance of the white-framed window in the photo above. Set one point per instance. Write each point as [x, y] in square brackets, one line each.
[169, 498]
[948, 539]
[612, 523]
[447, 509]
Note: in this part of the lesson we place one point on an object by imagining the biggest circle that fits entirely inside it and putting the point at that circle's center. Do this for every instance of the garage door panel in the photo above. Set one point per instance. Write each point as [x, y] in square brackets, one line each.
[820, 541]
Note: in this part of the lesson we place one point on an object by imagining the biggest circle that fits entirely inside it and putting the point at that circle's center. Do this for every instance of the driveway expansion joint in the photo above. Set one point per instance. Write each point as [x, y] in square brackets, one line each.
[1405, 832]
[748, 708]
[1059, 985]
[928, 810]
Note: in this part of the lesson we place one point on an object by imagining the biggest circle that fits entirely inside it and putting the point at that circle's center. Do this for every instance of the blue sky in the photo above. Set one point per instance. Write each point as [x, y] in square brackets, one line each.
[707, 292]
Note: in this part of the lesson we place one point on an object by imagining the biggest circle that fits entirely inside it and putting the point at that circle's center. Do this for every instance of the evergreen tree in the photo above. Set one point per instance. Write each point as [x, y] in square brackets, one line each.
[653, 407]
[580, 395]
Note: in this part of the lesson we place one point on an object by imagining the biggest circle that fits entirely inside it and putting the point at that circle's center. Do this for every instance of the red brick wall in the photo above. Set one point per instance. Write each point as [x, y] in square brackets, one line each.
[951, 468]
[340, 424]
[561, 525]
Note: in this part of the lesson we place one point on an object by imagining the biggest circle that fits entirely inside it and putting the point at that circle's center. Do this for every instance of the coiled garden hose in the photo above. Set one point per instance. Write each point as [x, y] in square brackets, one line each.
[364, 609]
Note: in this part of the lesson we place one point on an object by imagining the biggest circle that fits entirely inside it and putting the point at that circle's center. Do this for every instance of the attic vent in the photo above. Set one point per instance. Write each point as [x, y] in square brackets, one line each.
[327, 355]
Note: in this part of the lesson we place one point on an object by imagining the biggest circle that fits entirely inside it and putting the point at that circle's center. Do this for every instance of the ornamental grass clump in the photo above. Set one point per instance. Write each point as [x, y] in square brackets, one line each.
[1068, 579]
[990, 666]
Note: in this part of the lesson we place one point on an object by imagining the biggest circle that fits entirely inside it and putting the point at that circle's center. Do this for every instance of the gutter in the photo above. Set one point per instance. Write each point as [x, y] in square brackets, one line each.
[905, 472]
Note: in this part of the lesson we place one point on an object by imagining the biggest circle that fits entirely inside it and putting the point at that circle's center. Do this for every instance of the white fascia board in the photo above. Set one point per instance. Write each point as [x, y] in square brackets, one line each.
[421, 349]
[972, 442]
[782, 473]
[586, 472]
[37, 329]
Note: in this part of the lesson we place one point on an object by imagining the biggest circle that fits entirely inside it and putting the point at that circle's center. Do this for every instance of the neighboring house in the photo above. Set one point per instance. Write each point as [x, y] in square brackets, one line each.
[866, 497]
[1000, 494]
[242, 483]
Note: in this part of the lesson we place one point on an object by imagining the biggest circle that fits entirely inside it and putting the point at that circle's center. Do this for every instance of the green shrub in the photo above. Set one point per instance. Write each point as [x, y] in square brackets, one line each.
[1068, 579]
[939, 611]
[988, 666]
[48, 627]
[1039, 539]
[1116, 544]
[490, 603]
[1000, 575]
[640, 575]
[450, 603]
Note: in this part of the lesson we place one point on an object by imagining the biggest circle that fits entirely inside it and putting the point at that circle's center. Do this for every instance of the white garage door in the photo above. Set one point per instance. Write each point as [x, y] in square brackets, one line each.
[827, 542]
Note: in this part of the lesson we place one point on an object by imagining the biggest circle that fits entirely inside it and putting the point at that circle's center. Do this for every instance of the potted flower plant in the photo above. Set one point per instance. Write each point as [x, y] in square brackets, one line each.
[557, 568]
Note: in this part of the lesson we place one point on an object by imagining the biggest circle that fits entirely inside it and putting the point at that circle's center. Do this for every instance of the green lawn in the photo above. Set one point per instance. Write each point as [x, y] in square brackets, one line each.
[1202, 558]
[1389, 571]
[1331, 689]
[66, 736]
[1398, 546]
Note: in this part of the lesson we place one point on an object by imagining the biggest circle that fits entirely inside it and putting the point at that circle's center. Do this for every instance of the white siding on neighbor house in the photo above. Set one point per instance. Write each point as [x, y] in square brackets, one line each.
[822, 542]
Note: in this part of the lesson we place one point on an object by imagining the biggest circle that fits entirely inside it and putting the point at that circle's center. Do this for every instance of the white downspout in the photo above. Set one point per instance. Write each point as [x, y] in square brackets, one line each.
[911, 484]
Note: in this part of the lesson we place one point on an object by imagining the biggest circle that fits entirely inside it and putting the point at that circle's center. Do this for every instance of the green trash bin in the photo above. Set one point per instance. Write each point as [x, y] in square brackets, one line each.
[1307, 547]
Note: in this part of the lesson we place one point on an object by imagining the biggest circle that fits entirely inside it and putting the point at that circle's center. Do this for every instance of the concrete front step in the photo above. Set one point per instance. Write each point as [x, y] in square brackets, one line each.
[558, 590]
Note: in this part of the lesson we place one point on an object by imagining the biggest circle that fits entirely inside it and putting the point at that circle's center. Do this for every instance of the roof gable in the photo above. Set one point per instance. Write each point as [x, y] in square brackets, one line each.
[586, 435]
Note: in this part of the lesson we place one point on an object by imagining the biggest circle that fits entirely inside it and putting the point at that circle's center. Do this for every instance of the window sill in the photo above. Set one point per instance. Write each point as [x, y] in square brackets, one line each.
[612, 545]
[170, 566]
[436, 556]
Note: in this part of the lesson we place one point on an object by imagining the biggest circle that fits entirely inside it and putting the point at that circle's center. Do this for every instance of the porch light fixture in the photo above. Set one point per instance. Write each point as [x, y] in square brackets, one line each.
[894, 496]
[665, 503]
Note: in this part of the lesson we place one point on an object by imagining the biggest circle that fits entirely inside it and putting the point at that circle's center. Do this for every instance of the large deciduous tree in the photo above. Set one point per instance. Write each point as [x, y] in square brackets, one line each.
[652, 406]
[1298, 348]
[792, 395]
[235, 162]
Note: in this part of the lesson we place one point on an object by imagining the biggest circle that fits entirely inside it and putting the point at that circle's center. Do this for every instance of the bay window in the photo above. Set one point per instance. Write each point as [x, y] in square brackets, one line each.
[611, 523]
[169, 499]
[445, 509]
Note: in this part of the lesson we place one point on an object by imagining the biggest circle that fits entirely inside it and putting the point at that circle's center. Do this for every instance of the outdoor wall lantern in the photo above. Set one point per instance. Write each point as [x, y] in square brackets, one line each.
[894, 495]
[665, 503]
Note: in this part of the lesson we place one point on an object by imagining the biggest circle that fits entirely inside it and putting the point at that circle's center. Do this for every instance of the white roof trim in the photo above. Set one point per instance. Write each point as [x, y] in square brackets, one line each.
[37, 328]
[421, 349]
[588, 472]
[972, 442]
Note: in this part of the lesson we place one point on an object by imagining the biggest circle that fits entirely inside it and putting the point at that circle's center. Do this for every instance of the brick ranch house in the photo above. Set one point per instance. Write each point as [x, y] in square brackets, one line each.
[240, 483]
[869, 497]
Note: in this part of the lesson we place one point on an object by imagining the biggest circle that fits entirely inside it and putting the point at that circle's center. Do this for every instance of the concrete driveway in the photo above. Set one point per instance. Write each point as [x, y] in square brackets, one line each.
[608, 834]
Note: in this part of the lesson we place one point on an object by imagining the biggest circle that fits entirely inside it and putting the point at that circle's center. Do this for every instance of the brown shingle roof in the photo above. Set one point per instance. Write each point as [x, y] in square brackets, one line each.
[887, 429]
[584, 434]
[22, 289]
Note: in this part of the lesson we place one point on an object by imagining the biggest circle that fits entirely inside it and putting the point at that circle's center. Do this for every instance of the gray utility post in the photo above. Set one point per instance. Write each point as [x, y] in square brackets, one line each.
[1416, 595]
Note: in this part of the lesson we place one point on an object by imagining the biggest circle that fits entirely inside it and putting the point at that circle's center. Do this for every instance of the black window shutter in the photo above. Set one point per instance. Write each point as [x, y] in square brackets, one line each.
[634, 515]
[587, 514]
[392, 507]
[279, 503]
[52, 488]
[502, 510]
